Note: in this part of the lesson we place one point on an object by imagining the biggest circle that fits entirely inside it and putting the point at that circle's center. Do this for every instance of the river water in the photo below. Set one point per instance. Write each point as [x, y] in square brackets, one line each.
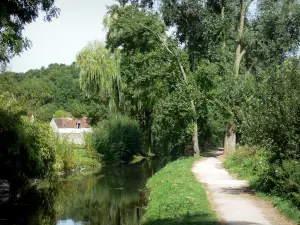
[113, 196]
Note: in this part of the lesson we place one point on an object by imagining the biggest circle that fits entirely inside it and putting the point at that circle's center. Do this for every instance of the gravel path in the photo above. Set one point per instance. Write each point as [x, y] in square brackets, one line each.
[231, 198]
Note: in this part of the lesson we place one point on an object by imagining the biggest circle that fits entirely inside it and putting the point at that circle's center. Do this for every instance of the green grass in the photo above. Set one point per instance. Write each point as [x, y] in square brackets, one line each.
[177, 198]
[244, 164]
[82, 160]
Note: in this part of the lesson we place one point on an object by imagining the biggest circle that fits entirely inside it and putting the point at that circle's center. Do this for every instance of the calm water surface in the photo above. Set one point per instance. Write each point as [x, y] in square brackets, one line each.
[113, 196]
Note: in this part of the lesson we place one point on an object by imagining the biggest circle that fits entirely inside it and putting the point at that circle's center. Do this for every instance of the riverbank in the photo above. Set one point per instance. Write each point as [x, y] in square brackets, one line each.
[75, 199]
[176, 197]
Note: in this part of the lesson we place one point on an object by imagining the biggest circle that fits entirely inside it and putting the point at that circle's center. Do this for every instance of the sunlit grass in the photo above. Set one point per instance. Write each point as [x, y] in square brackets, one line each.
[176, 197]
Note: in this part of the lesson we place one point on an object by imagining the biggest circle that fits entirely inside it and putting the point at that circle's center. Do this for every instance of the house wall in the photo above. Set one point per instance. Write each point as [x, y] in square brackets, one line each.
[53, 125]
[73, 135]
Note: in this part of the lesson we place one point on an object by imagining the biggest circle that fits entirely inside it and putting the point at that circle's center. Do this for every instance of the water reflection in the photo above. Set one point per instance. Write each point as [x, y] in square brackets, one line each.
[114, 196]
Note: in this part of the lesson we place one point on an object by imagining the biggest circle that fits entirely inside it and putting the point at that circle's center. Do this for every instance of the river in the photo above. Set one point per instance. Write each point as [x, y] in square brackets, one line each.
[113, 196]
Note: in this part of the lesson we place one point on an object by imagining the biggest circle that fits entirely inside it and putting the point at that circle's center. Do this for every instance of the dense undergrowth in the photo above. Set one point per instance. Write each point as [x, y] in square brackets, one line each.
[278, 181]
[176, 197]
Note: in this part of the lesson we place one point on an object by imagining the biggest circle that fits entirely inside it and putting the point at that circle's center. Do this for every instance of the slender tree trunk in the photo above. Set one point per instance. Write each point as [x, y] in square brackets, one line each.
[230, 140]
[230, 136]
[223, 20]
[195, 120]
[195, 131]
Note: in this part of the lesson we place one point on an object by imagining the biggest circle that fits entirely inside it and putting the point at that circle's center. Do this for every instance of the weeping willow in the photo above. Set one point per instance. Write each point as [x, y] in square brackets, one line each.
[100, 73]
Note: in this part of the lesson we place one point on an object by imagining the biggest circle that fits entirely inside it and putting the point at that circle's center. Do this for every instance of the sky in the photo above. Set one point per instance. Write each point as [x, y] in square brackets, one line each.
[59, 41]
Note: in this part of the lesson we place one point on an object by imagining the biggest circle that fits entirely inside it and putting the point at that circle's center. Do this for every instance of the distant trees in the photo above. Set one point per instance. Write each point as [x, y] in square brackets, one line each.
[47, 90]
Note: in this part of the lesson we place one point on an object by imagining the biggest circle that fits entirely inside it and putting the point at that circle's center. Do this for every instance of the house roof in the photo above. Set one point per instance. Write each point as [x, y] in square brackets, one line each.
[71, 122]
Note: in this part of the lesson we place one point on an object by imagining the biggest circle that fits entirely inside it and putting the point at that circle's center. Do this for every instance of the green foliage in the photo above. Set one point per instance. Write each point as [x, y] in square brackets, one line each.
[279, 181]
[133, 29]
[99, 69]
[117, 139]
[176, 197]
[172, 123]
[71, 157]
[31, 151]
[270, 117]
[61, 114]
[65, 155]
[27, 151]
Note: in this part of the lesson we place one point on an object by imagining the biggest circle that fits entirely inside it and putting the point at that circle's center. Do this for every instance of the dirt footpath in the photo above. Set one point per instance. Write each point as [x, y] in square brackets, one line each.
[232, 199]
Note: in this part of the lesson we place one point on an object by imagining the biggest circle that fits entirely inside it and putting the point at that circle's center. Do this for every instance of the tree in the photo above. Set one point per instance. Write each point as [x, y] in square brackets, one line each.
[145, 36]
[99, 72]
[224, 33]
[14, 15]
[61, 114]
[230, 135]
[269, 38]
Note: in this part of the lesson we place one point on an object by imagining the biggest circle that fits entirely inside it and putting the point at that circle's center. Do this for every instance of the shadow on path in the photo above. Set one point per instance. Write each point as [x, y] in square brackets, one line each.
[213, 152]
[195, 220]
[237, 190]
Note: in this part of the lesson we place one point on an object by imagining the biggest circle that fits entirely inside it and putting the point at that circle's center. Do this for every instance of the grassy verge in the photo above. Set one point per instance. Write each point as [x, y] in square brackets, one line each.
[177, 198]
[250, 165]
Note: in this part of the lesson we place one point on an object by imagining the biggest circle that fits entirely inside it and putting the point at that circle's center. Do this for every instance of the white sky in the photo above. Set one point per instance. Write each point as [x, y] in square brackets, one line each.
[59, 41]
[80, 21]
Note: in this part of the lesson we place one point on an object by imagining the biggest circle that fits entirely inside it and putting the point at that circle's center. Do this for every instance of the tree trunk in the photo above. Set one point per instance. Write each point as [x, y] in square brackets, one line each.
[195, 131]
[230, 140]
[230, 136]
[239, 52]
[195, 120]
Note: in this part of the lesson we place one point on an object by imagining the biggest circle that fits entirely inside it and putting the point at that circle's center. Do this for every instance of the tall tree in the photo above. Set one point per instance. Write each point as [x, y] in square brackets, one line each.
[230, 135]
[268, 39]
[100, 72]
[138, 31]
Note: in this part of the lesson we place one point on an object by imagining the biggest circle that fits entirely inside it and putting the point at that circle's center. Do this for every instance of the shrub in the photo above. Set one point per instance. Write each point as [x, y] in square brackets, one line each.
[117, 139]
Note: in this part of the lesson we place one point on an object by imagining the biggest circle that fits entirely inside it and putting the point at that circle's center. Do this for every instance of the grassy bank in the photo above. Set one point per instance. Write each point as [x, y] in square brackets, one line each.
[252, 165]
[177, 198]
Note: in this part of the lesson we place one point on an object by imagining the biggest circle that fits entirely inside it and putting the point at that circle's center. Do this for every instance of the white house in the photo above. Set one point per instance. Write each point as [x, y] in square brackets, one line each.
[71, 128]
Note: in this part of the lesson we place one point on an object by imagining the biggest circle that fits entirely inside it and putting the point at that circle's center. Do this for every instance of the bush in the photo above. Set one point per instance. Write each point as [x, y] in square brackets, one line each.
[117, 139]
